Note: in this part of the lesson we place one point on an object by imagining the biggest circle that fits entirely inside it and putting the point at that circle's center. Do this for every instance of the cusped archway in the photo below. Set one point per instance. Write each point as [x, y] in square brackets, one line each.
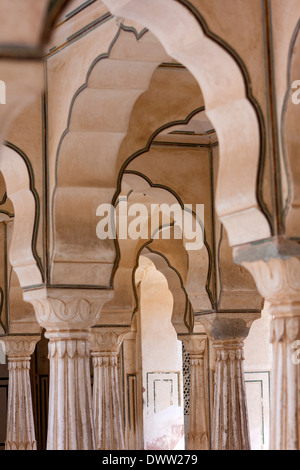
[227, 103]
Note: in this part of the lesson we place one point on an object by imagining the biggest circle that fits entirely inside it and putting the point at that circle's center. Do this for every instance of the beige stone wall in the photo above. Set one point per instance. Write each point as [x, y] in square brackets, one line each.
[162, 367]
[258, 369]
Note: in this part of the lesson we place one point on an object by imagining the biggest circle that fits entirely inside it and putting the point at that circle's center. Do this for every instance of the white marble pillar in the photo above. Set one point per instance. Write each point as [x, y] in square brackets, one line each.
[230, 428]
[198, 431]
[20, 434]
[230, 417]
[108, 413]
[68, 318]
[278, 280]
[70, 418]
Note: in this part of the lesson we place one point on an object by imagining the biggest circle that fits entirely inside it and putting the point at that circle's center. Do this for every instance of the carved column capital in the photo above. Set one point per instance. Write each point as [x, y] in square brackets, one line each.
[231, 352]
[105, 341]
[277, 278]
[227, 328]
[64, 309]
[194, 344]
[198, 430]
[19, 347]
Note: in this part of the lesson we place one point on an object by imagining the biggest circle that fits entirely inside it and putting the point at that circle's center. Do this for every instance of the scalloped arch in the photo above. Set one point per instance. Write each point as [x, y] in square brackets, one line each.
[227, 106]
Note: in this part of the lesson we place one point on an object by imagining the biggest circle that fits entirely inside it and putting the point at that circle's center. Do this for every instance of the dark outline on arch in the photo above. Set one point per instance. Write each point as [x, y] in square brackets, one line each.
[140, 152]
[104, 55]
[37, 204]
[2, 202]
[293, 41]
[188, 308]
[208, 249]
[248, 87]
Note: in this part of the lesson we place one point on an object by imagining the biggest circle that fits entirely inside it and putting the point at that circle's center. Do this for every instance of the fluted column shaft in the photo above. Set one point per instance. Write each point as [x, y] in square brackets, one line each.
[285, 411]
[230, 428]
[70, 420]
[198, 432]
[227, 331]
[107, 403]
[20, 434]
[278, 280]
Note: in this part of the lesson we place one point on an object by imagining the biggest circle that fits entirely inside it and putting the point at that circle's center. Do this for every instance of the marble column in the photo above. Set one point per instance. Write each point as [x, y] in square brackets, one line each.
[278, 280]
[227, 332]
[198, 431]
[107, 403]
[20, 434]
[68, 317]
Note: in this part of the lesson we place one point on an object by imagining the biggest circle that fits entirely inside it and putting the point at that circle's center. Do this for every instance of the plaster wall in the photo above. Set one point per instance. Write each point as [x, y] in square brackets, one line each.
[162, 367]
[258, 365]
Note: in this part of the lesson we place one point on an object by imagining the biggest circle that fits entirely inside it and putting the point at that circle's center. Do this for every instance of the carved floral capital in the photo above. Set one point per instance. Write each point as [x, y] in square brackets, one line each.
[194, 344]
[19, 347]
[59, 310]
[276, 279]
[107, 340]
[228, 328]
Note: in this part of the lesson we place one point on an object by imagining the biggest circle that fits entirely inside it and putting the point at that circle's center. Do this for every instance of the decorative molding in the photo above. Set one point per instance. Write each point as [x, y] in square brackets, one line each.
[68, 348]
[107, 341]
[62, 310]
[170, 376]
[78, 35]
[19, 348]
[277, 279]
[229, 327]
[75, 12]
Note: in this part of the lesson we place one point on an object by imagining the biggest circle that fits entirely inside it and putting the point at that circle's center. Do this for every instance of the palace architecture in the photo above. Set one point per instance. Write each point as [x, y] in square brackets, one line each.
[112, 113]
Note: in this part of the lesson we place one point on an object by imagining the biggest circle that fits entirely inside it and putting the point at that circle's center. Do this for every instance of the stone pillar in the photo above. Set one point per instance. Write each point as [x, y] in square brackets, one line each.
[230, 429]
[198, 431]
[109, 424]
[278, 280]
[70, 419]
[68, 318]
[20, 433]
